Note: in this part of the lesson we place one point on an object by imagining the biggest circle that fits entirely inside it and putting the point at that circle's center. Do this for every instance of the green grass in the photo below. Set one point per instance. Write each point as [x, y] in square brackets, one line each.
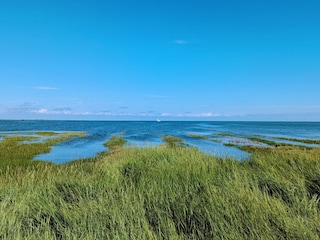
[46, 133]
[267, 149]
[115, 143]
[173, 141]
[198, 136]
[224, 135]
[275, 144]
[163, 192]
[268, 142]
[308, 141]
[15, 153]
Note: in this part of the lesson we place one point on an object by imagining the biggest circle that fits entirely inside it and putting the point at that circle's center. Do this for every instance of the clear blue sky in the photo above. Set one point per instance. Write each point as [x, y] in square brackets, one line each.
[173, 59]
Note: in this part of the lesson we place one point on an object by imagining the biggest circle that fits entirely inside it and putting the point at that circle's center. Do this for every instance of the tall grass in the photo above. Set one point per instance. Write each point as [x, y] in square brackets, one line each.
[165, 192]
[16, 151]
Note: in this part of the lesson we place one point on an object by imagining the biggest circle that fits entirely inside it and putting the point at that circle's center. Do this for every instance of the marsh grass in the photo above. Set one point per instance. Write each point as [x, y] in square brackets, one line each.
[17, 151]
[224, 135]
[277, 144]
[173, 141]
[198, 136]
[46, 133]
[164, 192]
[308, 141]
[116, 142]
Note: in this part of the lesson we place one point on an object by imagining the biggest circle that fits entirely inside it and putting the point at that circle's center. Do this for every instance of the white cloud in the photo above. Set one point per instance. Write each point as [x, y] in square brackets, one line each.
[42, 110]
[68, 111]
[62, 109]
[204, 114]
[165, 114]
[47, 111]
[45, 88]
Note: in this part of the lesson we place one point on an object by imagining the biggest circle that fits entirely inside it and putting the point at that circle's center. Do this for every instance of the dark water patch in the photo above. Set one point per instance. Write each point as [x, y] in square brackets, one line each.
[145, 137]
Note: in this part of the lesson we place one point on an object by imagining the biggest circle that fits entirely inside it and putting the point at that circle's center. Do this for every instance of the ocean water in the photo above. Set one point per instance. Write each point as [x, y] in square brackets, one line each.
[147, 133]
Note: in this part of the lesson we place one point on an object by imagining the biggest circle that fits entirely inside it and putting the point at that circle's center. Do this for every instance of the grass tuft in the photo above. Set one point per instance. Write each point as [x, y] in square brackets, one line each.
[172, 141]
[115, 142]
[198, 136]
[164, 192]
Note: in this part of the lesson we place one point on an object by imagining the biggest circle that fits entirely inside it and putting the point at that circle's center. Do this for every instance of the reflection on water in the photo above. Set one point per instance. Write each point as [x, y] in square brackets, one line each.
[67, 152]
[217, 149]
[140, 134]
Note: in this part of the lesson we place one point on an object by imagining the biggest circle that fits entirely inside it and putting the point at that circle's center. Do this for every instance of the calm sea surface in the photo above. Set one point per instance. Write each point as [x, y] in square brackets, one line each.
[143, 133]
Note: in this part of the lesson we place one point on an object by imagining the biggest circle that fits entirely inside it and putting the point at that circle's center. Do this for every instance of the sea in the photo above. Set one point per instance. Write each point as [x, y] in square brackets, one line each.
[215, 135]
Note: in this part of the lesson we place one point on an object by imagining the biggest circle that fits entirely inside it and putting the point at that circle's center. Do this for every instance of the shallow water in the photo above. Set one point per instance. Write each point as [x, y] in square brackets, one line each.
[139, 133]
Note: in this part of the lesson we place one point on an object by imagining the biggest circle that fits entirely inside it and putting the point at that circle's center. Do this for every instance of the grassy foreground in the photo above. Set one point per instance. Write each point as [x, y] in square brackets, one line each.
[165, 192]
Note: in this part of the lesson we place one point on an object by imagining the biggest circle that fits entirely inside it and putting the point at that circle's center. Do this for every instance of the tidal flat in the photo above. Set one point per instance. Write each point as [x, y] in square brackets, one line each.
[168, 191]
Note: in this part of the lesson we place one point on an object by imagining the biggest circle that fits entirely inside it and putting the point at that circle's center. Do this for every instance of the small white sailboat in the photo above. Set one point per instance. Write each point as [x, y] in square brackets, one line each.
[158, 120]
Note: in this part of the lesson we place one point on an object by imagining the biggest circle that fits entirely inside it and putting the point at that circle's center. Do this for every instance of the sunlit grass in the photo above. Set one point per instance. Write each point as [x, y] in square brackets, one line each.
[115, 143]
[18, 151]
[198, 136]
[164, 192]
[173, 141]
[308, 141]
[46, 133]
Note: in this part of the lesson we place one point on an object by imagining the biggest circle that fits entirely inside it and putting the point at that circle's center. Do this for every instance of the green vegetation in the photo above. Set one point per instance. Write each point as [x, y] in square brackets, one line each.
[14, 153]
[46, 133]
[245, 146]
[308, 141]
[276, 144]
[172, 141]
[198, 136]
[268, 142]
[224, 135]
[115, 143]
[165, 192]
[64, 137]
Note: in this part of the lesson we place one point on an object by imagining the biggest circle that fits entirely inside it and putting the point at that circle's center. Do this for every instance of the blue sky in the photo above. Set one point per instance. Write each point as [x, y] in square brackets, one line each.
[176, 60]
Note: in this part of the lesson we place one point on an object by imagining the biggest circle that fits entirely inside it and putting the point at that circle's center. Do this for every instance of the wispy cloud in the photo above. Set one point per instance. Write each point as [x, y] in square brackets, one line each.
[166, 114]
[23, 108]
[41, 111]
[181, 42]
[51, 112]
[38, 111]
[67, 111]
[45, 88]
[62, 109]
[204, 114]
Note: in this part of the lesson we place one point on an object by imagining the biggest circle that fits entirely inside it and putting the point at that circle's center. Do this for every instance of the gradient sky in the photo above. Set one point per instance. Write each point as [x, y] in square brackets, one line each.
[173, 59]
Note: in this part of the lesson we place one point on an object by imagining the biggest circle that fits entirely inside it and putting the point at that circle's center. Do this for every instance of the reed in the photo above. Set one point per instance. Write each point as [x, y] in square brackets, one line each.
[164, 192]
[308, 141]
[199, 136]
[18, 151]
[173, 141]
[115, 142]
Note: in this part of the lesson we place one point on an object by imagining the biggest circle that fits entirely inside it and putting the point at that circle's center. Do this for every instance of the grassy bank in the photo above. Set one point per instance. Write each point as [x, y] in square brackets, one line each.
[18, 151]
[165, 192]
